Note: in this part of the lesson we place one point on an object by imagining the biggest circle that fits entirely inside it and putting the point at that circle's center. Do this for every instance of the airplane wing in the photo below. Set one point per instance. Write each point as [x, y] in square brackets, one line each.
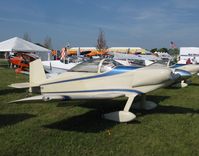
[48, 97]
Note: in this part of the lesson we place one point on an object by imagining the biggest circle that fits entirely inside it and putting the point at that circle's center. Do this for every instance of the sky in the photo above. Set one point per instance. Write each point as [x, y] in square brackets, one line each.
[144, 23]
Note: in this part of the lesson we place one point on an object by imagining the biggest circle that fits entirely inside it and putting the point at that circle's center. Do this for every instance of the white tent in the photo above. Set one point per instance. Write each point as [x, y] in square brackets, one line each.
[17, 44]
[189, 52]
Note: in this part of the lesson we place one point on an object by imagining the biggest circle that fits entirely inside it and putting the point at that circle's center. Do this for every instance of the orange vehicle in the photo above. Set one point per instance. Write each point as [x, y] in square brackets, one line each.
[96, 53]
[21, 61]
[88, 53]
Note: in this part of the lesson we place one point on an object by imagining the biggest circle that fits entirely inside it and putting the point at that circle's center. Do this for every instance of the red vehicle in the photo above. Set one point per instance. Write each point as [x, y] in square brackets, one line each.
[21, 61]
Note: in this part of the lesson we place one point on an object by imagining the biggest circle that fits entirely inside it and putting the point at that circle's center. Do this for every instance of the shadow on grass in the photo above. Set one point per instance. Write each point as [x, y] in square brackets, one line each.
[169, 110]
[11, 90]
[102, 105]
[4, 66]
[194, 84]
[11, 119]
[156, 99]
[165, 109]
[108, 105]
[90, 122]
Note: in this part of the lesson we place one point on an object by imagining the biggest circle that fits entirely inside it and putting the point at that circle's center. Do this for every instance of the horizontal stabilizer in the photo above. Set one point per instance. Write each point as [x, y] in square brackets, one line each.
[19, 85]
[39, 97]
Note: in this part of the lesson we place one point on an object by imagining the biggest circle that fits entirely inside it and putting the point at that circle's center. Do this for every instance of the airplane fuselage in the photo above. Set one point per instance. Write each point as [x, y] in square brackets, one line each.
[119, 79]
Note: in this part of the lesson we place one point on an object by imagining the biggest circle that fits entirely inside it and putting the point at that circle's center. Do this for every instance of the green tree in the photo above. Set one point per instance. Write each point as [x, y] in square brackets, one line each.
[174, 52]
[163, 50]
[153, 50]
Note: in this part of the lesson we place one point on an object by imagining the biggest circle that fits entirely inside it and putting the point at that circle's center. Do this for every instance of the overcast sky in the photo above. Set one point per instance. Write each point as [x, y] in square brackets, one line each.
[144, 23]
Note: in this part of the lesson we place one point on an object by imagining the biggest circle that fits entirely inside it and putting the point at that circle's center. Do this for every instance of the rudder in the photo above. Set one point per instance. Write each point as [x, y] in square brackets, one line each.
[37, 73]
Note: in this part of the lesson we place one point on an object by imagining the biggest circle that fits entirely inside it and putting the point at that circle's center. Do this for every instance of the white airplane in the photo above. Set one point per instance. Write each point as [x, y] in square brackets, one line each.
[101, 79]
[192, 68]
[145, 60]
[54, 67]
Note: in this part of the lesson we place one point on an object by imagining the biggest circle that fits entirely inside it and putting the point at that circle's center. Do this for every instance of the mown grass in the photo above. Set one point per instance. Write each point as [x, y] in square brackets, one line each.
[76, 127]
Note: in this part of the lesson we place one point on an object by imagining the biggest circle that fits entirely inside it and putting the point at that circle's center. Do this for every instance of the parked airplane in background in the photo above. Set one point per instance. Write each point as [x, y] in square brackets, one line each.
[185, 70]
[101, 79]
[56, 66]
[192, 68]
[21, 61]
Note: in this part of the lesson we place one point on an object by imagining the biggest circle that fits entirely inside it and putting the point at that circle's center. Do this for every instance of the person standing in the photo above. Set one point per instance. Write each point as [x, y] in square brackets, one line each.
[188, 61]
[193, 60]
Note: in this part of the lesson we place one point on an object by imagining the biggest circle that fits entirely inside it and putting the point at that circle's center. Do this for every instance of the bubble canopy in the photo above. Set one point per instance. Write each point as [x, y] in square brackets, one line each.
[96, 66]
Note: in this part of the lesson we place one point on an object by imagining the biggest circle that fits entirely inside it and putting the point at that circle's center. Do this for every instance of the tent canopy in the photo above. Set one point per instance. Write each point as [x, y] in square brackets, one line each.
[17, 44]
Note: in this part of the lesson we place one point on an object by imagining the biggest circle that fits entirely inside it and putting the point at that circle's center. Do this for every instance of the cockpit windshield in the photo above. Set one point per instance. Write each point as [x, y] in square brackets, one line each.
[135, 62]
[96, 66]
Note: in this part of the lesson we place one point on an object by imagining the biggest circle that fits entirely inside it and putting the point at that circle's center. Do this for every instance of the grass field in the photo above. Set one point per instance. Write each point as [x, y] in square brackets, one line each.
[76, 127]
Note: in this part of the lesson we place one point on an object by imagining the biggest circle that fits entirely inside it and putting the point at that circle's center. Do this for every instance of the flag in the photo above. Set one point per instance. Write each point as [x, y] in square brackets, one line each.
[63, 53]
[172, 45]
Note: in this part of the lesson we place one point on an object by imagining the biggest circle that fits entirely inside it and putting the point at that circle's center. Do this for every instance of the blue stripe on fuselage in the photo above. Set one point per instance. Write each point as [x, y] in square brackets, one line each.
[115, 71]
[99, 90]
[178, 65]
[183, 73]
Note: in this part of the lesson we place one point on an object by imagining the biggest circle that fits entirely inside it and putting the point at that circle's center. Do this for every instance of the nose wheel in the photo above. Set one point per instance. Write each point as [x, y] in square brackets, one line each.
[125, 115]
[144, 104]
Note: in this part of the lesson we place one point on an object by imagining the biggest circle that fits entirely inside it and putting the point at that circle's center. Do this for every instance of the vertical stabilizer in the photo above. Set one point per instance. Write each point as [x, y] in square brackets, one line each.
[37, 74]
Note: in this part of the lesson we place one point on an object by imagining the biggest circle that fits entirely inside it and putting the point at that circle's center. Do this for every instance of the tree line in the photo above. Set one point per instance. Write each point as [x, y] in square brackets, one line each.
[101, 44]
[47, 43]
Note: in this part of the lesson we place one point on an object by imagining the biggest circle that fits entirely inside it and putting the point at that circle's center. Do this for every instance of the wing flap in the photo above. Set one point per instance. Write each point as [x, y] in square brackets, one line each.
[97, 96]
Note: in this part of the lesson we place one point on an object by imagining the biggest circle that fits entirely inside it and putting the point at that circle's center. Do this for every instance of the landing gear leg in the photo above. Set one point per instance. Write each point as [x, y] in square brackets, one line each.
[144, 105]
[125, 115]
